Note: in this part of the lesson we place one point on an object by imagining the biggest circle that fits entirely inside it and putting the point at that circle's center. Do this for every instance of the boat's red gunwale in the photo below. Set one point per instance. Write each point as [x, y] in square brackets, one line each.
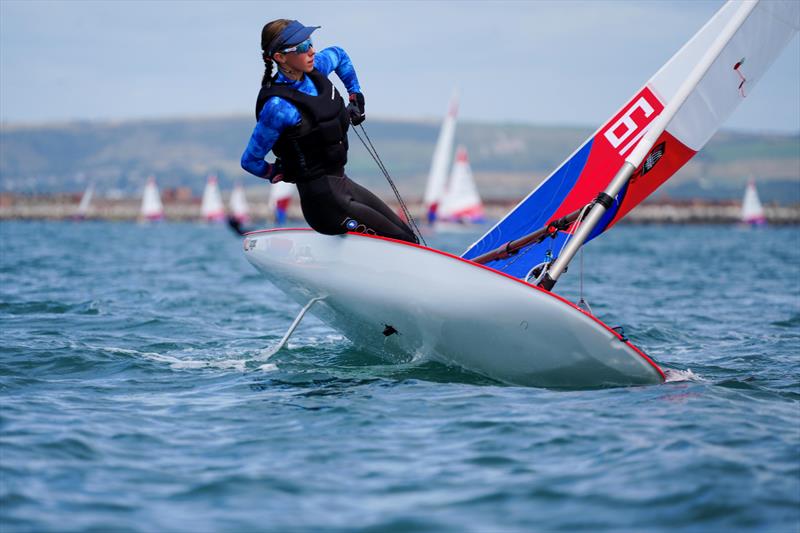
[492, 270]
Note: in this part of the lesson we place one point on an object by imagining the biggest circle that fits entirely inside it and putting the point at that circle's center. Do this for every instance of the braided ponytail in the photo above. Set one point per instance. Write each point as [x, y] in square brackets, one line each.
[268, 34]
[267, 79]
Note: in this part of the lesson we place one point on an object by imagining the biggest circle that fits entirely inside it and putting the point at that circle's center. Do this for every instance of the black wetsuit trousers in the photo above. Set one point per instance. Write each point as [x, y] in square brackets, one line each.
[335, 204]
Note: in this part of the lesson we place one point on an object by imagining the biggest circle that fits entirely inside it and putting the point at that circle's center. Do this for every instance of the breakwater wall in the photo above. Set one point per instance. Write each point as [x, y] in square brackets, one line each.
[660, 212]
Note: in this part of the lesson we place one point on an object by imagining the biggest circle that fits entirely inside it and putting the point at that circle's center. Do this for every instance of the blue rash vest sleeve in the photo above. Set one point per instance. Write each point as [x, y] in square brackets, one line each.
[334, 59]
[277, 115]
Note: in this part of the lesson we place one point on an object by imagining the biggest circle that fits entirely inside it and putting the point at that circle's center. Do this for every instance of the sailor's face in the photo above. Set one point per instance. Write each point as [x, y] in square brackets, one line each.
[302, 61]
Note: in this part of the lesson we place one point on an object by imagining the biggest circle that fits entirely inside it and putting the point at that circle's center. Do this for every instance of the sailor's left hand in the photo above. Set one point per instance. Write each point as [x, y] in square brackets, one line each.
[356, 109]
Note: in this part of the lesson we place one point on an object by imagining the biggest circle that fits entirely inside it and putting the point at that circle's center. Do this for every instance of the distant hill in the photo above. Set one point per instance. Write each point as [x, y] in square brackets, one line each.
[508, 159]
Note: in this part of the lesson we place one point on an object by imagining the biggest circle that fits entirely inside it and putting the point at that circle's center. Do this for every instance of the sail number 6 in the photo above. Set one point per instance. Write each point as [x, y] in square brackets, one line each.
[627, 129]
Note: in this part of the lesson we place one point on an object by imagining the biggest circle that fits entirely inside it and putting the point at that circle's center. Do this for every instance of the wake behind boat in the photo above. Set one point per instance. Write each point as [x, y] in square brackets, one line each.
[492, 310]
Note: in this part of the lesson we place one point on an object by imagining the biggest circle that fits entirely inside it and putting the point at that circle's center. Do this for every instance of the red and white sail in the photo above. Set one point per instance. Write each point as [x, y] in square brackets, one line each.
[240, 210]
[752, 210]
[152, 208]
[437, 176]
[657, 131]
[212, 208]
[280, 196]
[461, 201]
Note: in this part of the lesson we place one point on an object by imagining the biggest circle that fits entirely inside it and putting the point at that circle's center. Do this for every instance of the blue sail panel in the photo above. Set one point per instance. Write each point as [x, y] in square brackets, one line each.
[531, 214]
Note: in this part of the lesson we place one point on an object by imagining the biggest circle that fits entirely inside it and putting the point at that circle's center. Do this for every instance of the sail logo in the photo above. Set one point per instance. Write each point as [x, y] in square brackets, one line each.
[626, 131]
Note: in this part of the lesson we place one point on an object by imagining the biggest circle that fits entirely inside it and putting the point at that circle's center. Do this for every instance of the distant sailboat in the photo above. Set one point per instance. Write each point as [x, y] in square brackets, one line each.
[461, 202]
[240, 211]
[152, 209]
[437, 177]
[279, 199]
[752, 210]
[212, 208]
[86, 203]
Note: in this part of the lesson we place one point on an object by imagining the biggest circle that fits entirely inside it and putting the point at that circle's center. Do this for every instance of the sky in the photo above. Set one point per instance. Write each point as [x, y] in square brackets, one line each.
[534, 62]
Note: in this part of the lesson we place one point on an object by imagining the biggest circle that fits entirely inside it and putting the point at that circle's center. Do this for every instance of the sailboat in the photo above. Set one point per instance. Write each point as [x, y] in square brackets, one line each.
[152, 210]
[493, 310]
[437, 176]
[461, 202]
[212, 208]
[752, 210]
[86, 203]
[280, 196]
[240, 210]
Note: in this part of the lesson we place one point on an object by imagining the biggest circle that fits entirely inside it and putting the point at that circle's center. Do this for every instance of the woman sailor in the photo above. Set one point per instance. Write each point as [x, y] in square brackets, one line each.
[303, 120]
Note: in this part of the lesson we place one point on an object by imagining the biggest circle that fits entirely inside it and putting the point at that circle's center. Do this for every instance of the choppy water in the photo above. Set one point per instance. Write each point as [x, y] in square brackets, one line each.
[132, 397]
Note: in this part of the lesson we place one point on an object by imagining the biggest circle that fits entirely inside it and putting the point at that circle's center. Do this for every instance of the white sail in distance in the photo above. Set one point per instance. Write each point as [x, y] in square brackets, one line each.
[240, 210]
[280, 196]
[152, 209]
[86, 202]
[437, 177]
[461, 201]
[752, 210]
[212, 208]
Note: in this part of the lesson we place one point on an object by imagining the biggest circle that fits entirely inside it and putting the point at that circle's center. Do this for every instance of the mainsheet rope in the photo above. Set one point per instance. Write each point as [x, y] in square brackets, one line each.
[375, 157]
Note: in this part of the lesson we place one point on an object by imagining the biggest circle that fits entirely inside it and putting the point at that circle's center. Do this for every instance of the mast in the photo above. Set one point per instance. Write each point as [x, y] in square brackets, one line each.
[605, 199]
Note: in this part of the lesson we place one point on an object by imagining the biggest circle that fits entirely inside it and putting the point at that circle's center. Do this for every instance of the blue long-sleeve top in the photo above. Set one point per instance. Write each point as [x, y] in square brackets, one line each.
[278, 114]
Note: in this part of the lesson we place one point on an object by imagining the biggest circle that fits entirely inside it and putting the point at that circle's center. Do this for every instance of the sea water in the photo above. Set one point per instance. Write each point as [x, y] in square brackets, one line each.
[134, 396]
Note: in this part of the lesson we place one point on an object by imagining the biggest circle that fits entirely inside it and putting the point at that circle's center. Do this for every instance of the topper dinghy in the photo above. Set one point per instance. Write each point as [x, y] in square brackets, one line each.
[492, 310]
[400, 299]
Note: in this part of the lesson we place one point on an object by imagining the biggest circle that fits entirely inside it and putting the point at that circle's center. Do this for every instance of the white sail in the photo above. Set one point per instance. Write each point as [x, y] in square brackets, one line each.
[152, 209]
[461, 201]
[238, 204]
[280, 196]
[212, 208]
[86, 202]
[752, 210]
[437, 177]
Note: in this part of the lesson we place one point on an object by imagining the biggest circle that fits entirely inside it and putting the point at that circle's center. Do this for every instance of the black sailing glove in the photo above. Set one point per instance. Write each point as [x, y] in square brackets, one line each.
[274, 172]
[356, 109]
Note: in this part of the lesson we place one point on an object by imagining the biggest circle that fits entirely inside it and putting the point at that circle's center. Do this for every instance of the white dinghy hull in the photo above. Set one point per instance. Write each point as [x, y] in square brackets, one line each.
[446, 308]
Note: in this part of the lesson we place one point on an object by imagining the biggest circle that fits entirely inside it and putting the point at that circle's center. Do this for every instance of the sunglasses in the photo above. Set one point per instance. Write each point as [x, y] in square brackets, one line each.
[301, 48]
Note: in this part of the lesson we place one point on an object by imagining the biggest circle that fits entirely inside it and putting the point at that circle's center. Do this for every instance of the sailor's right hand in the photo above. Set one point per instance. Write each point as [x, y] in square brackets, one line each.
[274, 172]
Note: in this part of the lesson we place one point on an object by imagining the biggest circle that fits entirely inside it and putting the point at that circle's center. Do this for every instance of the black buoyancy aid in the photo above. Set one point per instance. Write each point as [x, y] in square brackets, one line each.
[317, 145]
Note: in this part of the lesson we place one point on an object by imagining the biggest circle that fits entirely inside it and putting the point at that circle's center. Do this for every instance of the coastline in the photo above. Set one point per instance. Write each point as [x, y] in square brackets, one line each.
[65, 208]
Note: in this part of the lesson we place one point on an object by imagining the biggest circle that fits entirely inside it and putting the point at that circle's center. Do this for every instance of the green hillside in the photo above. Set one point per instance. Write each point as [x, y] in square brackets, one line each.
[507, 159]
